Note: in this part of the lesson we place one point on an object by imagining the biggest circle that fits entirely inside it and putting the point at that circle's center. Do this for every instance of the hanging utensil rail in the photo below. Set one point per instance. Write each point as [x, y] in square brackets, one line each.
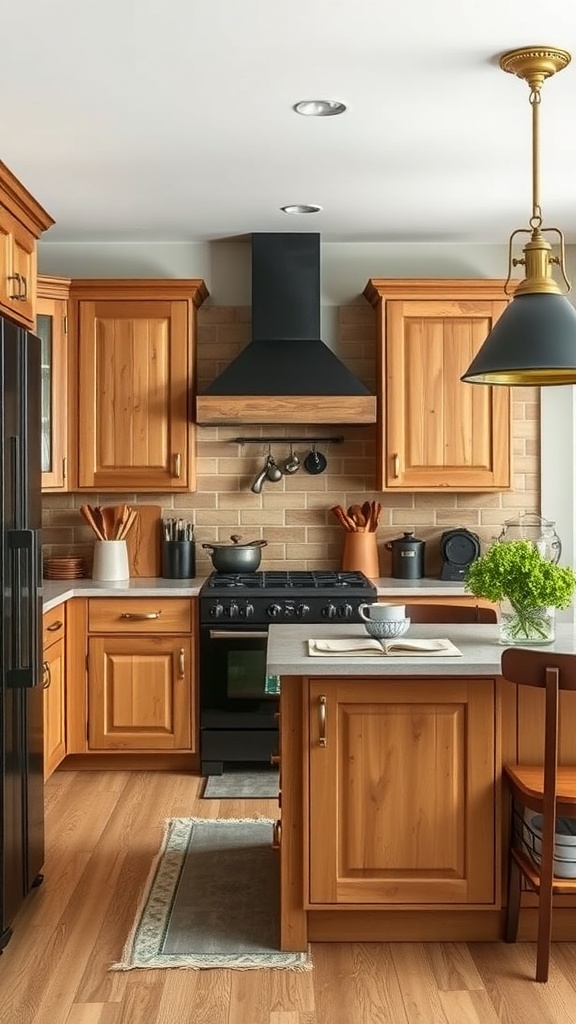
[286, 440]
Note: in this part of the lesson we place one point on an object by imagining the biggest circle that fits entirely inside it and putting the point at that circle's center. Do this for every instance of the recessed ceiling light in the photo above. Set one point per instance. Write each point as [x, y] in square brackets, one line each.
[301, 208]
[319, 108]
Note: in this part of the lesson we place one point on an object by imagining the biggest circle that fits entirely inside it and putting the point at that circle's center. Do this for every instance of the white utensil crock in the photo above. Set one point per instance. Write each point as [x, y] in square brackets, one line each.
[110, 560]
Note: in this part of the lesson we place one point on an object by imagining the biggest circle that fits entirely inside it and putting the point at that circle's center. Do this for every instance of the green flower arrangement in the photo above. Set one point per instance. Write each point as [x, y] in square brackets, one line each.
[516, 571]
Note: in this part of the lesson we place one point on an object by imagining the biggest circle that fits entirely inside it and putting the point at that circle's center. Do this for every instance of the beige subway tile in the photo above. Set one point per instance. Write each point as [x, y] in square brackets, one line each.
[231, 499]
[57, 536]
[220, 483]
[525, 429]
[458, 517]
[522, 500]
[434, 501]
[285, 500]
[283, 534]
[479, 501]
[216, 315]
[407, 518]
[198, 499]
[308, 483]
[206, 467]
[360, 314]
[53, 501]
[304, 516]
[216, 517]
[262, 517]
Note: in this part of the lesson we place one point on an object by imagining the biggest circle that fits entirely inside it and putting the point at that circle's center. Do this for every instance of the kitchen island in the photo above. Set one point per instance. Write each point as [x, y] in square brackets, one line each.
[392, 825]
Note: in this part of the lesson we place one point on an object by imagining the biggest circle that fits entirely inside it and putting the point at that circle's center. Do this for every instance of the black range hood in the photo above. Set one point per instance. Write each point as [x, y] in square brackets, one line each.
[286, 374]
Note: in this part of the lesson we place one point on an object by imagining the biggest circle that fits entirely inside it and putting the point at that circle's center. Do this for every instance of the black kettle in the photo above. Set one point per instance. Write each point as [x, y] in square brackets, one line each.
[407, 557]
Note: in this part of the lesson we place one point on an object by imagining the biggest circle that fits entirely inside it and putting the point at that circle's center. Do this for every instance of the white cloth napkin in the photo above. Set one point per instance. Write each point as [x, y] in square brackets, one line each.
[360, 647]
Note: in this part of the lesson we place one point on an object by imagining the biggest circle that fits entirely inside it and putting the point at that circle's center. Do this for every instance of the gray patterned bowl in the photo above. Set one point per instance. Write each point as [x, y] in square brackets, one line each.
[387, 629]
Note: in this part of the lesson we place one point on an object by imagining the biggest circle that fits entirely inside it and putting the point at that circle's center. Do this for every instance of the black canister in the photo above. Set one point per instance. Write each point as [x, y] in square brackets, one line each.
[407, 557]
[178, 559]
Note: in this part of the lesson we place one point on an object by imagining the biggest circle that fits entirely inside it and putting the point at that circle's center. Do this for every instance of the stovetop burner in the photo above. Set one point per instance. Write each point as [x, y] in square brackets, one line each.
[295, 580]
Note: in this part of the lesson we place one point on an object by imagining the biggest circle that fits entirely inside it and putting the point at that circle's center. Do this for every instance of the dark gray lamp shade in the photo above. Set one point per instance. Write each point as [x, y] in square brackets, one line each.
[533, 342]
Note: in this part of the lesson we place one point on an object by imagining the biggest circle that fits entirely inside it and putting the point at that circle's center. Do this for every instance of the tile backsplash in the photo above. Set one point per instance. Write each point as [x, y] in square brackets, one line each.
[294, 515]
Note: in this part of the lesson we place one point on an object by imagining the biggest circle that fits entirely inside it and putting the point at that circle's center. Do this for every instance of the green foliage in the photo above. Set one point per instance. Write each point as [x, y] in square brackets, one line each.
[517, 571]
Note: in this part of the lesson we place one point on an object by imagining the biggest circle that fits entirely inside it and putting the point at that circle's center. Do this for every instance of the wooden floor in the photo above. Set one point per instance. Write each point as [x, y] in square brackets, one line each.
[103, 830]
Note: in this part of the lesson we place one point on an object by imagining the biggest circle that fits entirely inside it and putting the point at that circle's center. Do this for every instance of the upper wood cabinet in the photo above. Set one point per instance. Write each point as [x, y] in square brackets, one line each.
[51, 328]
[132, 383]
[22, 221]
[434, 431]
[402, 792]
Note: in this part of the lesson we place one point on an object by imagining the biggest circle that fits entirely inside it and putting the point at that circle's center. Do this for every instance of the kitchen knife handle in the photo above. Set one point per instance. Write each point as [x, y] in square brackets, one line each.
[177, 458]
[322, 742]
[139, 616]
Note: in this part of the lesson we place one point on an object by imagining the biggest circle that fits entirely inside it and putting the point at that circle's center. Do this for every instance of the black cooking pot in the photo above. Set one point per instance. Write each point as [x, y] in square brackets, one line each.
[407, 557]
[236, 557]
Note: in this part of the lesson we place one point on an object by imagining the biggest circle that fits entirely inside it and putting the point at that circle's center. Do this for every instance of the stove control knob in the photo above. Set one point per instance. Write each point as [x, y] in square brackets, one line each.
[249, 610]
[289, 611]
[233, 611]
[216, 611]
[302, 611]
[346, 611]
[329, 611]
[274, 610]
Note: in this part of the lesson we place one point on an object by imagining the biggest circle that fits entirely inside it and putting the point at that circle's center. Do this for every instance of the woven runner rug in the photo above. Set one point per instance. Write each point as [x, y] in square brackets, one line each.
[211, 900]
[236, 784]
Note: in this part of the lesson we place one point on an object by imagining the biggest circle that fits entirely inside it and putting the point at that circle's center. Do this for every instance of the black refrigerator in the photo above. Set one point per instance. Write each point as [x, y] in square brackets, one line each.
[21, 696]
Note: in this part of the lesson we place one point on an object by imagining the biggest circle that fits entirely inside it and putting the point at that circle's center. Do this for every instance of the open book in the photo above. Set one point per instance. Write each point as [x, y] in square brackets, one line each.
[360, 647]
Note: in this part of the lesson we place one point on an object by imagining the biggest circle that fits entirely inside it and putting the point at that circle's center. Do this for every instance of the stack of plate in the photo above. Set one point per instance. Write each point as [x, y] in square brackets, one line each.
[65, 567]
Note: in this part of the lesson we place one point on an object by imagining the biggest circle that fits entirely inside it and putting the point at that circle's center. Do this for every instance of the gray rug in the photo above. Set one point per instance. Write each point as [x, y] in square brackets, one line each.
[237, 784]
[212, 900]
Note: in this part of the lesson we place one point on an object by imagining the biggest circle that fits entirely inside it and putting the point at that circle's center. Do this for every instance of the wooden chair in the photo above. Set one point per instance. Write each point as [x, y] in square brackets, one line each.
[548, 790]
[450, 613]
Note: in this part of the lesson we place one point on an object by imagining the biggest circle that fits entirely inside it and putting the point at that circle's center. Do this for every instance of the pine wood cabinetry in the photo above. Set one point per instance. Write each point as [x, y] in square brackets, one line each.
[132, 378]
[402, 792]
[141, 675]
[22, 221]
[54, 689]
[435, 432]
[52, 329]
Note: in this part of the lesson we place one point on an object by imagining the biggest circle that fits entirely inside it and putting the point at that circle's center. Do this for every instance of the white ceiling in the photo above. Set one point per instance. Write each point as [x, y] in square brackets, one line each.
[171, 120]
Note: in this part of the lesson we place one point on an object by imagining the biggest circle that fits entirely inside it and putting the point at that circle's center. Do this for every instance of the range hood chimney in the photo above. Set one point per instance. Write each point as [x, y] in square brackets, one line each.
[286, 374]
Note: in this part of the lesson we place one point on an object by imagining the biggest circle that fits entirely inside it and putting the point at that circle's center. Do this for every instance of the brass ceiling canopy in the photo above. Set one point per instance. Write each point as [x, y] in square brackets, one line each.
[534, 341]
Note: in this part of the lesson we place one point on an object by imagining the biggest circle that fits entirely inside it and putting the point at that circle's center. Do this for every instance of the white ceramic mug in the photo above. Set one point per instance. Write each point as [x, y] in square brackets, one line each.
[382, 612]
[110, 560]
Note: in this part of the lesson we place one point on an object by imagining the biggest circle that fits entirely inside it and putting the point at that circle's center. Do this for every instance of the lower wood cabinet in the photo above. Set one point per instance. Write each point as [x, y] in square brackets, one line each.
[402, 782]
[139, 693]
[54, 682]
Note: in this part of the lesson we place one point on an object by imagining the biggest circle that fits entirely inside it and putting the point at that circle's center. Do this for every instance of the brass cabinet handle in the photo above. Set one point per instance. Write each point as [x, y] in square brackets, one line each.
[54, 626]
[322, 710]
[18, 294]
[182, 663]
[64, 468]
[140, 616]
[274, 758]
[396, 465]
[47, 675]
[24, 289]
[177, 464]
[276, 835]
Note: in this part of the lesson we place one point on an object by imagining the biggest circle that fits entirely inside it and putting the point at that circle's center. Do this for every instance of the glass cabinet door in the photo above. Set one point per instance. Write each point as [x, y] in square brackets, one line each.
[51, 320]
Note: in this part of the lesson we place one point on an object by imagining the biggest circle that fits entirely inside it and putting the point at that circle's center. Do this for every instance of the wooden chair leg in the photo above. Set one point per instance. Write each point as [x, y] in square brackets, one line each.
[514, 893]
[544, 938]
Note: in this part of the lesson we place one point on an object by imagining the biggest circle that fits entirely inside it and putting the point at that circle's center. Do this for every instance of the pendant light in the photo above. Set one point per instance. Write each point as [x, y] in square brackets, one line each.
[534, 341]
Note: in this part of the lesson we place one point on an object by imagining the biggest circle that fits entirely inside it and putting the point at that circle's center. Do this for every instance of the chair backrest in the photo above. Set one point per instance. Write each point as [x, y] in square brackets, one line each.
[551, 672]
[450, 613]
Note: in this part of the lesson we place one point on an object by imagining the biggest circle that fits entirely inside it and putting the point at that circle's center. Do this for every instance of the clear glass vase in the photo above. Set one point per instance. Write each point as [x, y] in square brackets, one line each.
[529, 626]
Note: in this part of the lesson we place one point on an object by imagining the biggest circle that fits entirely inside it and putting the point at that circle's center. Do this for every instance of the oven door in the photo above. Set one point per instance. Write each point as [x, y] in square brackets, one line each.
[233, 670]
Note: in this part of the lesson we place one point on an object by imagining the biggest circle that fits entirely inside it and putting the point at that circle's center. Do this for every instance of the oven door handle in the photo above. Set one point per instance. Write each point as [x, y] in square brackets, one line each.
[229, 634]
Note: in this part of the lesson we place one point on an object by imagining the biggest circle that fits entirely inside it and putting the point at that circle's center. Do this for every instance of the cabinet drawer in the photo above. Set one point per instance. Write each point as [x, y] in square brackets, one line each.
[53, 626]
[139, 615]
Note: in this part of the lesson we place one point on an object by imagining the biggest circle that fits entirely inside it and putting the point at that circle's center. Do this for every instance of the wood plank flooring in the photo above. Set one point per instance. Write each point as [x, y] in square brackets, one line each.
[103, 830]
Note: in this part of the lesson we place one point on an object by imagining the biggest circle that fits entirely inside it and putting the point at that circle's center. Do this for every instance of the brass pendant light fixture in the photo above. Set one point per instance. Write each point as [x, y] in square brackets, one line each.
[534, 341]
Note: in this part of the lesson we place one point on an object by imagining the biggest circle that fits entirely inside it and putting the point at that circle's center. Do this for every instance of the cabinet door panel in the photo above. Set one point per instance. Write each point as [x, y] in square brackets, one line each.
[441, 432]
[402, 796]
[54, 707]
[139, 693]
[134, 361]
[51, 326]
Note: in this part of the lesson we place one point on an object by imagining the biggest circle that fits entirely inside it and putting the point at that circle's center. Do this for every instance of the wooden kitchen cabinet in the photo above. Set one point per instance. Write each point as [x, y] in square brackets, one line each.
[435, 432]
[22, 221]
[132, 375]
[403, 794]
[52, 329]
[54, 682]
[141, 693]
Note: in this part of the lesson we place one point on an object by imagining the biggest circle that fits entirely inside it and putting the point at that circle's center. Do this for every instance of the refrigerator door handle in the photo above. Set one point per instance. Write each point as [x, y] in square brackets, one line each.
[24, 672]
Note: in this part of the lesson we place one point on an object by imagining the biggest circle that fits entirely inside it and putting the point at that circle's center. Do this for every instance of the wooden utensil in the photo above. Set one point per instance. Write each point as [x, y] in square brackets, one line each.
[87, 512]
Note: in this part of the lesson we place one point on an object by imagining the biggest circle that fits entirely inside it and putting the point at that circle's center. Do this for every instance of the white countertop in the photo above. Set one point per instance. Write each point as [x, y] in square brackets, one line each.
[479, 644]
[56, 593]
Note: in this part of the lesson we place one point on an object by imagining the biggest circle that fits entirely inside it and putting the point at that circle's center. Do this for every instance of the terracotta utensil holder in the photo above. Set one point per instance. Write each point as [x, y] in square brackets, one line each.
[361, 554]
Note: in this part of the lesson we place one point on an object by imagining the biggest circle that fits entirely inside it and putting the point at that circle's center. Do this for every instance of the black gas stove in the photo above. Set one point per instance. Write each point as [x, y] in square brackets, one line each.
[262, 597]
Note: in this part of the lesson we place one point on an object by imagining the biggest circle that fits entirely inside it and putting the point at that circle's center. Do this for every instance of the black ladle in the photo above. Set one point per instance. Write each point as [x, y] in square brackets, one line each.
[315, 462]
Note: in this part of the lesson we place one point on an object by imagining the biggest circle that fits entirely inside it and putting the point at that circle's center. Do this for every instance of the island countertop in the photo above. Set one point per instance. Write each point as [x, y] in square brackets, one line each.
[479, 644]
